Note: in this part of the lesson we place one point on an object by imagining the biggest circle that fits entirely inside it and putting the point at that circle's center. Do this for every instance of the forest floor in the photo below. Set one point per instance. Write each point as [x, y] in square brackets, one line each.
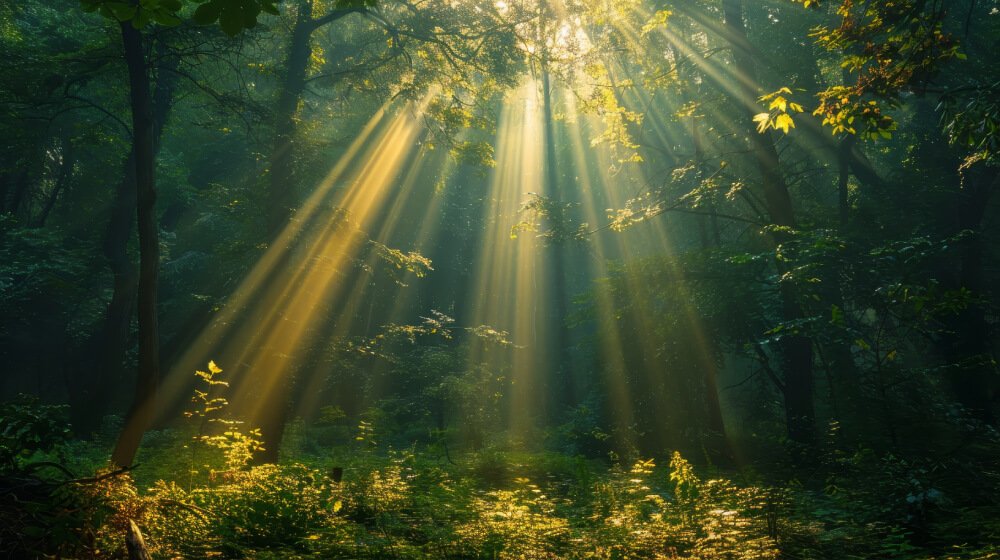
[193, 499]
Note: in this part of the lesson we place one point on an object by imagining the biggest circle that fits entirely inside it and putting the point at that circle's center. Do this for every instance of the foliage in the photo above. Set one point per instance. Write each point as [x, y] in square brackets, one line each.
[28, 427]
[780, 111]
[233, 15]
[225, 434]
[890, 47]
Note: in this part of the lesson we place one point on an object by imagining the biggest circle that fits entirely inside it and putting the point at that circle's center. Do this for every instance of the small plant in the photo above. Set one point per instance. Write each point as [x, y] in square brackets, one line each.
[28, 427]
[237, 445]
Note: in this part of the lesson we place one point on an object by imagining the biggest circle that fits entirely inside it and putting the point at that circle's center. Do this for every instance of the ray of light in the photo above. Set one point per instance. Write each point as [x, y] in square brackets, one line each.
[296, 309]
[408, 201]
[702, 349]
[510, 278]
[594, 196]
[274, 312]
[258, 278]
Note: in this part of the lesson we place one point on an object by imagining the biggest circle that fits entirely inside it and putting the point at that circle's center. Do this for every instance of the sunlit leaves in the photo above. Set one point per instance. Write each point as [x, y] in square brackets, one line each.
[888, 47]
[779, 112]
[492, 335]
[237, 444]
[636, 210]
[410, 261]
[656, 22]
[844, 113]
[474, 153]
[550, 219]
[618, 120]
[518, 523]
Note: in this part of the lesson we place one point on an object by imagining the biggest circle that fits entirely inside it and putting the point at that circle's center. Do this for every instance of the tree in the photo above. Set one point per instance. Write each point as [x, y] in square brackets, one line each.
[132, 17]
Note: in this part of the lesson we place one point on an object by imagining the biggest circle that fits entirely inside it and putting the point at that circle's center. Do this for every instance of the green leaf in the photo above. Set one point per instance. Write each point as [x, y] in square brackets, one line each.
[231, 20]
[207, 13]
[250, 11]
[836, 315]
[121, 12]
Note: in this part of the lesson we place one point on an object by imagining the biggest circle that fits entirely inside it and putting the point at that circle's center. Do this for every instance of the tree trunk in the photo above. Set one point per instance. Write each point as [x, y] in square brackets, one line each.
[717, 441]
[966, 343]
[15, 198]
[135, 545]
[844, 157]
[280, 188]
[795, 350]
[110, 343]
[141, 413]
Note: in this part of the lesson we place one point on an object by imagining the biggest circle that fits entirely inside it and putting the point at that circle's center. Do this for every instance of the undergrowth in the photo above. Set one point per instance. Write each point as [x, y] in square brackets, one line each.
[199, 495]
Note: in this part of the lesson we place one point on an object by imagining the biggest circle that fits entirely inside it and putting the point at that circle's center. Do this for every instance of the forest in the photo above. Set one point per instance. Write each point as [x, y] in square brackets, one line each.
[500, 279]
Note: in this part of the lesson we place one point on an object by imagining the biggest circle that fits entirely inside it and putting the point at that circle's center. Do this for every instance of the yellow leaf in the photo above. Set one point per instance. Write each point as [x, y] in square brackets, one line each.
[779, 103]
[213, 368]
[784, 122]
[763, 121]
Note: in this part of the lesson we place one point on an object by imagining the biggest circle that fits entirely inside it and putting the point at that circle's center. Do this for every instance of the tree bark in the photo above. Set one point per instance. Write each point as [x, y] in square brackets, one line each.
[141, 413]
[282, 172]
[280, 188]
[135, 545]
[110, 342]
[717, 441]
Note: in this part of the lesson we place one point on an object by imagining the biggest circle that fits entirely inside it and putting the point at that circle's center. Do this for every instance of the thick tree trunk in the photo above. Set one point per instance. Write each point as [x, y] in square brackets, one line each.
[281, 201]
[17, 189]
[141, 413]
[281, 184]
[795, 350]
[844, 157]
[717, 441]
